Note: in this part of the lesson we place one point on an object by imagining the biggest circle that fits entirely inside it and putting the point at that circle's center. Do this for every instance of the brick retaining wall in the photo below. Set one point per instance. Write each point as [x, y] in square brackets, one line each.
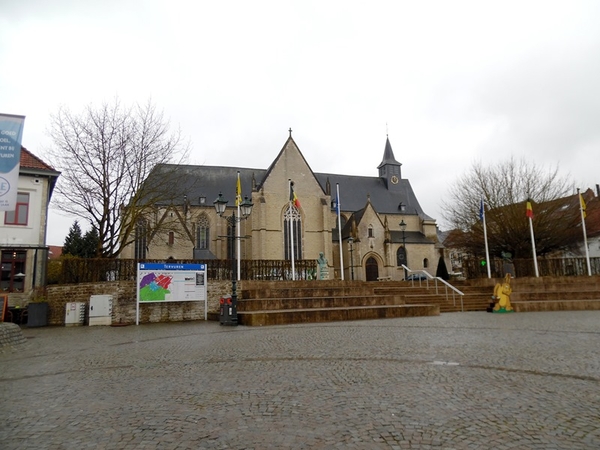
[124, 302]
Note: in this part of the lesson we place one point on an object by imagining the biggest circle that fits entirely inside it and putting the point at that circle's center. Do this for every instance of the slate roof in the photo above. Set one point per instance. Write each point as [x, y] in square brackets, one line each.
[388, 155]
[208, 181]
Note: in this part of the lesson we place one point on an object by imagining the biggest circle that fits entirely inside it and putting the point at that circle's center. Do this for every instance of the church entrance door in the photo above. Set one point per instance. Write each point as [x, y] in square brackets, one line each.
[372, 269]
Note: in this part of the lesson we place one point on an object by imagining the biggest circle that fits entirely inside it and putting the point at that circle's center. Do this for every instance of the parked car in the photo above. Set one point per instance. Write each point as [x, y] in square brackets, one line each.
[416, 277]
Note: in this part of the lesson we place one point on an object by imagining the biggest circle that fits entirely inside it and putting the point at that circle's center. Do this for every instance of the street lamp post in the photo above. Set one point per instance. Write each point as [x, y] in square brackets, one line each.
[245, 209]
[351, 241]
[403, 228]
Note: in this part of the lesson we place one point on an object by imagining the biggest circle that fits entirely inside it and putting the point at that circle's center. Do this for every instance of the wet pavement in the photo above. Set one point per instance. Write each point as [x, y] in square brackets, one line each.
[455, 381]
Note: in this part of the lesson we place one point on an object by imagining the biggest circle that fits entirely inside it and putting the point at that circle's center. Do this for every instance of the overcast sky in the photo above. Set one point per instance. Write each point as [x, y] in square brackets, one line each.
[451, 82]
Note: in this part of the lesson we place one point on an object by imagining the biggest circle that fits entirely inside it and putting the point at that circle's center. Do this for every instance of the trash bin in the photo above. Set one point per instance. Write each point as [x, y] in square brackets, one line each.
[228, 311]
[37, 314]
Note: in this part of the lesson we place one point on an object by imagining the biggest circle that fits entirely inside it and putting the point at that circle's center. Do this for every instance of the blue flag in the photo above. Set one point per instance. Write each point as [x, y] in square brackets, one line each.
[481, 210]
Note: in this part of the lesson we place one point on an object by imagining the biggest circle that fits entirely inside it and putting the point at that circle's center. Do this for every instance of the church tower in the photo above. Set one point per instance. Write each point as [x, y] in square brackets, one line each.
[390, 169]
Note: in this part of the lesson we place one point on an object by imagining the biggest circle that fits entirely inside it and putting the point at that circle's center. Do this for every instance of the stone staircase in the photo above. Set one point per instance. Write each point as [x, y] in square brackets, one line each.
[282, 302]
[556, 294]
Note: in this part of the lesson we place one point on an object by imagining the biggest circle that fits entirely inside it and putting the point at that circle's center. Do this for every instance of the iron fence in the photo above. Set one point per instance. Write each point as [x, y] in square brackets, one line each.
[88, 270]
[547, 267]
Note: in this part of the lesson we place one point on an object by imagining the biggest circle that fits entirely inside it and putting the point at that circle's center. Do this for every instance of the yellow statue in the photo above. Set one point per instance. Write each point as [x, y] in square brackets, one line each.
[502, 296]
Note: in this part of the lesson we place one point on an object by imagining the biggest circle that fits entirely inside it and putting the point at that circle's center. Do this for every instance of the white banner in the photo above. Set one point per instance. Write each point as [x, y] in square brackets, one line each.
[11, 133]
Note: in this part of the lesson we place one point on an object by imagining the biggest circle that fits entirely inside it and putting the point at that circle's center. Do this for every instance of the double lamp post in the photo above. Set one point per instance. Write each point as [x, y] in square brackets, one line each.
[229, 306]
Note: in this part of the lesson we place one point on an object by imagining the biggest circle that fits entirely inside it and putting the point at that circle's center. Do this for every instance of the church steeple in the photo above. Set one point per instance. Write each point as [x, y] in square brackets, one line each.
[389, 169]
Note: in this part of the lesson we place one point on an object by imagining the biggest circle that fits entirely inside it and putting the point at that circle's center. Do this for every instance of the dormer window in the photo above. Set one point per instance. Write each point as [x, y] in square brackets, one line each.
[202, 200]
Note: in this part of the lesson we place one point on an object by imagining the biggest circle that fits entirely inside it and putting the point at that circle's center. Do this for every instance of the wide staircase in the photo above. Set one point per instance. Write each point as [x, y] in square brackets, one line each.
[556, 294]
[284, 302]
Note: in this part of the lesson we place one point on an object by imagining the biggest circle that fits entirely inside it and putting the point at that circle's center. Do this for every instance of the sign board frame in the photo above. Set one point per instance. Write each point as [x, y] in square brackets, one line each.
[170, 282]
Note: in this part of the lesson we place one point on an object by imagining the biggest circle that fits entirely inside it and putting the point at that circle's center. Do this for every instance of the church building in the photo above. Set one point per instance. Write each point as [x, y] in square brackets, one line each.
[382, 223]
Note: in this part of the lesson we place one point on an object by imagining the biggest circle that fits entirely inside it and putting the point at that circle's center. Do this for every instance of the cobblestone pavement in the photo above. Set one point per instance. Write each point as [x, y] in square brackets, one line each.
[456, 381]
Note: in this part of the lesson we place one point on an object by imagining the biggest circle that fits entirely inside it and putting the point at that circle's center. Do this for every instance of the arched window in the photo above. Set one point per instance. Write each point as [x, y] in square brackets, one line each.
[141, 239]
[202, 233]
[401, 256]
[292, 227]
[425, 263]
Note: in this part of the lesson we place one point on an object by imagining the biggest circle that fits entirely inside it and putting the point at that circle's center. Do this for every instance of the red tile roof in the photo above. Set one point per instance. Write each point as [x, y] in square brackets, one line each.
[30, 161]
[55, 251]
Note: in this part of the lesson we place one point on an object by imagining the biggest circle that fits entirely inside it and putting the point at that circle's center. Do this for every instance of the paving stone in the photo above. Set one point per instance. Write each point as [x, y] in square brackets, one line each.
[455, 381]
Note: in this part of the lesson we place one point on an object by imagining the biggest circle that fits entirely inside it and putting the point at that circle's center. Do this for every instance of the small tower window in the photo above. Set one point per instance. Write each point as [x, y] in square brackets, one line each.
[371, 231]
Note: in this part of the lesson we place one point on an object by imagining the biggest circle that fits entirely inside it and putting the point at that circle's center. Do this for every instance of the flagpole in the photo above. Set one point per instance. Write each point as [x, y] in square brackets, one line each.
[535, 264]
[587, 251]
[291, 231]
[487, 251]
[337, 207]
[238, 200]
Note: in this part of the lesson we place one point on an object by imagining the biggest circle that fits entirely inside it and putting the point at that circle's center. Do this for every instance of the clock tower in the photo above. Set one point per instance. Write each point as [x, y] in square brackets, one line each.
[390, 169]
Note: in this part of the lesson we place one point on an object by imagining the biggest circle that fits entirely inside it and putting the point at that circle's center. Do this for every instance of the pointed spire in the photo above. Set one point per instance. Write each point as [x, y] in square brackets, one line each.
[388, 155]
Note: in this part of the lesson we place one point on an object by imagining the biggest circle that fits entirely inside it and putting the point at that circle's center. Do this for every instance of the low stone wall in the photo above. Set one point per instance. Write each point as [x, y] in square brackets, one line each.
[124, 302]
[11, 336]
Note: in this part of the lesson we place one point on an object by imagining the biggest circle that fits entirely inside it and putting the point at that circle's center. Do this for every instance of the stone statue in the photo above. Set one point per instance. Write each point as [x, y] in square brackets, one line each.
[507, 264]
[323, 268]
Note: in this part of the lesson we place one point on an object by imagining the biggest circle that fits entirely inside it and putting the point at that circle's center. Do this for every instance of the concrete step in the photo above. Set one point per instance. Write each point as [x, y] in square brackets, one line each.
[567, 294]
[556, 305]
[262, 304]
[316, 315]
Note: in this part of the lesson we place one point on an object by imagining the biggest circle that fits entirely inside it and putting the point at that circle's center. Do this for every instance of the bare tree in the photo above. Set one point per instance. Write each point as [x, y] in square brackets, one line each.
[505, 189]
[105, 154]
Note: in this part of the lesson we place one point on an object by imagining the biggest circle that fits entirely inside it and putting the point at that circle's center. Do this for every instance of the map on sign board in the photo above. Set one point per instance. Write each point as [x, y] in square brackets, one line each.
[170, 282]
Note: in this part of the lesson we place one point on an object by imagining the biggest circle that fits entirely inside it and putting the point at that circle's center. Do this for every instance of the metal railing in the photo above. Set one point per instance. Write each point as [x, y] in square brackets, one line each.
[86, 270]
[447, 285]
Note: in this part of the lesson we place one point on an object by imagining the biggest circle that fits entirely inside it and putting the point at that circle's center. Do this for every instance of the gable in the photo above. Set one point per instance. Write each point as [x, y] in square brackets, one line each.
[290, 164]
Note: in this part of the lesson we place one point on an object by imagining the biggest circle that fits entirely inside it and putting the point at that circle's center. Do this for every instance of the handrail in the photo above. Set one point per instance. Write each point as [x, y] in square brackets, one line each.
[428, 276]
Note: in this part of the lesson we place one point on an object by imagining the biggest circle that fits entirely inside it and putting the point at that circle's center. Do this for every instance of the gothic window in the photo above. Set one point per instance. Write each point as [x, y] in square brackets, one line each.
[141, 239]
[371, 231]
[231, 243]
[401, 256]
[292, 227]
[202, 233]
